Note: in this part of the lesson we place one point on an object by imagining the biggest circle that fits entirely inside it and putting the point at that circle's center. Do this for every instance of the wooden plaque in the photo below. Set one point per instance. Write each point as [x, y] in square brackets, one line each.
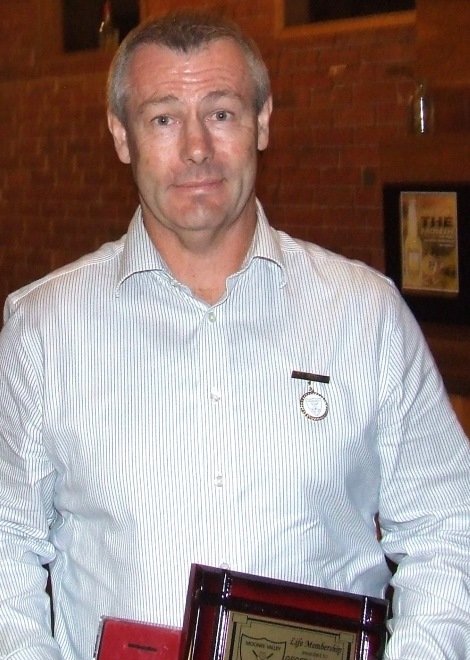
[235, 616]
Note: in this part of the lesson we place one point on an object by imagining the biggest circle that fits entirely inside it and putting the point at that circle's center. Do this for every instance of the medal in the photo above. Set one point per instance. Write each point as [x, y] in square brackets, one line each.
[312, 404]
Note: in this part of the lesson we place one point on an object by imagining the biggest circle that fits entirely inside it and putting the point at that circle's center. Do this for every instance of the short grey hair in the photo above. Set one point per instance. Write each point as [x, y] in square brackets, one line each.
[184, 32]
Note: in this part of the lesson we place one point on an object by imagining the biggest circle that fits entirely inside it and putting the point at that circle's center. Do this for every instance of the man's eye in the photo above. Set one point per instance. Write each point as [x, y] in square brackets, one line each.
[221, 115]
[162, 120]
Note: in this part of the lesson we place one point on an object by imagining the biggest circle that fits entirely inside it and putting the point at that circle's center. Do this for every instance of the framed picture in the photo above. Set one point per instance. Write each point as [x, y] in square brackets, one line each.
[238, 616]
[427, 248]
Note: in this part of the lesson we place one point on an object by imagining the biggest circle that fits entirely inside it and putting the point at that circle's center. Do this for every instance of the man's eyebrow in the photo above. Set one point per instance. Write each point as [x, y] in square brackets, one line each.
[158, 100]
[221, 94]
[215, 95]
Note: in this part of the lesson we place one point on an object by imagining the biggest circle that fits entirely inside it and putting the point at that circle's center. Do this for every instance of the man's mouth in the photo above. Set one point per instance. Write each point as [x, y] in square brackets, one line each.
[198, 184]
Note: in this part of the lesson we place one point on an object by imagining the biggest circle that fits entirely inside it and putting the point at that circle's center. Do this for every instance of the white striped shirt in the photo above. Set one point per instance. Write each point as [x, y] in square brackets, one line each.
[142, 430]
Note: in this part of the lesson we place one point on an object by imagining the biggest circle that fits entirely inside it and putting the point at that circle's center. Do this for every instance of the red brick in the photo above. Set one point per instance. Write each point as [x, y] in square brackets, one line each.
[362, 156]
[354, 115]
[341, 176]
[334, 196]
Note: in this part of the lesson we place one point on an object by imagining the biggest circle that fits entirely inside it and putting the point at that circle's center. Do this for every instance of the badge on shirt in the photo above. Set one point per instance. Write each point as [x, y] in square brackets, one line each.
[312, 404]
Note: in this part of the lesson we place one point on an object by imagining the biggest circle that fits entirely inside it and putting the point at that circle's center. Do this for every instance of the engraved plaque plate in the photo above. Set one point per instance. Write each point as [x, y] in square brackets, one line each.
[235, 616]
[260, 638]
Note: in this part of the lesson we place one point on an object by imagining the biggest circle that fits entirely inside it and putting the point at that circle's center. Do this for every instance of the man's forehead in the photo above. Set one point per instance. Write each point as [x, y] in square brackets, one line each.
[214, 47]
[160, 72]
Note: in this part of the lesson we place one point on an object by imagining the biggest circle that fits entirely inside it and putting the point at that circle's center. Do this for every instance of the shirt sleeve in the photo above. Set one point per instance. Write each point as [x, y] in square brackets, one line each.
[424, 502]
[26, 500]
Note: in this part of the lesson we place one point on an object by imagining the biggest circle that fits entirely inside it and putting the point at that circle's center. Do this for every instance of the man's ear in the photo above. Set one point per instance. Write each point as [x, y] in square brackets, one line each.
[119, 134]
[263, 123]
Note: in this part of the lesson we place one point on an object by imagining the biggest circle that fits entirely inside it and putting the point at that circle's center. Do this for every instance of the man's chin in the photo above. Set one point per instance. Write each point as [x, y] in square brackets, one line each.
[200, 215]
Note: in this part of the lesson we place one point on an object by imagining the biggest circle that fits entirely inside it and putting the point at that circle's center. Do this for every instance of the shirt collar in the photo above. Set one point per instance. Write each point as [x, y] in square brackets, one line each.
[266, 242]
[139, 253]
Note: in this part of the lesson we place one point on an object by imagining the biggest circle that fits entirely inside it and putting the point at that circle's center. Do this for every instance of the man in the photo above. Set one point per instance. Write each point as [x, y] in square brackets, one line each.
[149, 418]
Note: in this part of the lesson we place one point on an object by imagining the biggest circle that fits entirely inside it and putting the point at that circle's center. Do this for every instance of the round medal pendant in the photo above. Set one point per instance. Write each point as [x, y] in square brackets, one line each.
[314, 405]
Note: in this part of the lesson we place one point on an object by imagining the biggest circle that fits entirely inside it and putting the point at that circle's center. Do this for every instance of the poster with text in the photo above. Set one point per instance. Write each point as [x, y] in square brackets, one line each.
[429, 243]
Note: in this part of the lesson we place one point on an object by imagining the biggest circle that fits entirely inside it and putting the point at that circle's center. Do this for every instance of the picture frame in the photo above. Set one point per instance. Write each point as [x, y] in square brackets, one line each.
[231, 615]
[427, 248]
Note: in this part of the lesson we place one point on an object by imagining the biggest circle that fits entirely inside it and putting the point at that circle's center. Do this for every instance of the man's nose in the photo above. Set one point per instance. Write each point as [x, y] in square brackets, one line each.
[197, 143]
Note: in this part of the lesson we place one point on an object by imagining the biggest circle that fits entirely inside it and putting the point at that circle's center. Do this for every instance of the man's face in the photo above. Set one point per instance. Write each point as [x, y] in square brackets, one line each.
[192, 137]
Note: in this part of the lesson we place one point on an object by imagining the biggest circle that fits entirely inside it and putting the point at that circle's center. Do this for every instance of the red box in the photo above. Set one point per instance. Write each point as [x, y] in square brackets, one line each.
[123, 639]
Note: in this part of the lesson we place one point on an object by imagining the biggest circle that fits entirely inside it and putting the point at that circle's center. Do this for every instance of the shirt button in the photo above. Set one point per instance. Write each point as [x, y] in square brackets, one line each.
[218, 480]
[215, 395]
[211, 316]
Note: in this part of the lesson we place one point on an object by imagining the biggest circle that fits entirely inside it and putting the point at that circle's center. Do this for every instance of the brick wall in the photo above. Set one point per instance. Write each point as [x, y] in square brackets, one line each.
[63, 191]
[335, 102]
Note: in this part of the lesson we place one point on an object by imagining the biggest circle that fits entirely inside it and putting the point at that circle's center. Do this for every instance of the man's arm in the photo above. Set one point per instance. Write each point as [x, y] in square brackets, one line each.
[26, 494]
[425, 503]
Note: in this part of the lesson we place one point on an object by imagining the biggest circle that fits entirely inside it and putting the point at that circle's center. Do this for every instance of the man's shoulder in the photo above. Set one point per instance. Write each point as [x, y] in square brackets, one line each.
[318, 262]
[89, 271]
[337, 287]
